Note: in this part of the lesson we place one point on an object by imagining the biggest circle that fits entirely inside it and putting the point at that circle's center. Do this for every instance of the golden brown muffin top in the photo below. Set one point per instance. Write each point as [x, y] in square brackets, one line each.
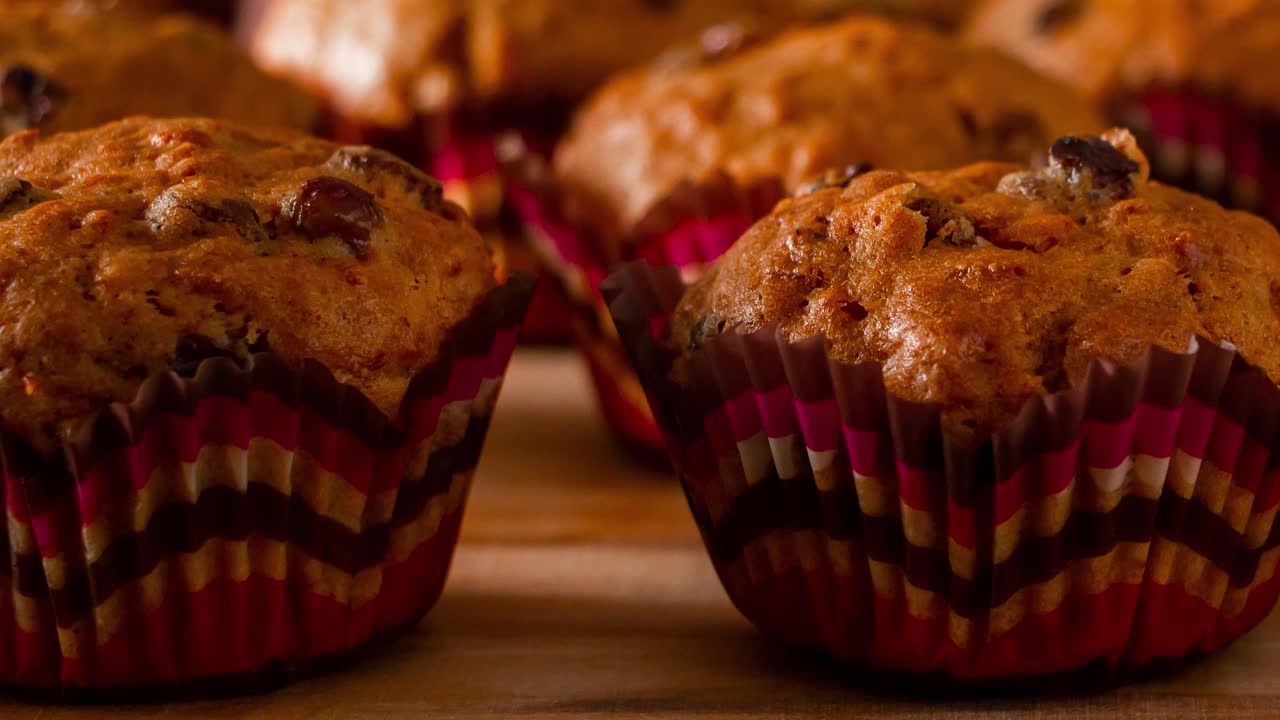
[865, 90]
[982, 287]
[1111, 47]
[69, 66]
[147, 245]
[384, 61]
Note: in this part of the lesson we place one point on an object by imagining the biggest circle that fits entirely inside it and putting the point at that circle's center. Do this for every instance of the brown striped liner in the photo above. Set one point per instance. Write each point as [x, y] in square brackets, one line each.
[1118, 528]
[242, 526]
[1210, 142]
[691, 227]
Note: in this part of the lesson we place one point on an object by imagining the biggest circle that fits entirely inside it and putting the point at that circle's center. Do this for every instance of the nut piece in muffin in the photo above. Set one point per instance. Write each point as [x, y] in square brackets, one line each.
[149, 245]
[980, 288]
[383, 62]
[864, 90]
[71, 66]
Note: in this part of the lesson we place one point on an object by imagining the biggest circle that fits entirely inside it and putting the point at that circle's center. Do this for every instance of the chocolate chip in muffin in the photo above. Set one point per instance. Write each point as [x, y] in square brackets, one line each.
[944, 222]
[836, 178]
[1108, 170]
[165, 211]
[27, 97]
[1058, 14]
[16, 195]
[369, 162]
[330, 207]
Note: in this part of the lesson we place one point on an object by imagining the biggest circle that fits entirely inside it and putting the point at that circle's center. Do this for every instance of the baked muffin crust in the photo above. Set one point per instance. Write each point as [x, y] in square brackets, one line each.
[384, 61]
[862, 90]
[147, 245]
[71, 66]
[981, 287]
[1108, 48]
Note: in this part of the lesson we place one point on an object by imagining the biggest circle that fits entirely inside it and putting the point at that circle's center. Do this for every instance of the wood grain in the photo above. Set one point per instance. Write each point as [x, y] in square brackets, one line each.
[580, 591]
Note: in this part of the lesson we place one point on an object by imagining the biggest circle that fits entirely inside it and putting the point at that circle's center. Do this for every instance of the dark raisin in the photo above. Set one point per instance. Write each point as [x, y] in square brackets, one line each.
[836, 178]
[945, 222]
[1109, 170]
[209, 207]
[369, 162]
[191, 350]
[327, 206]
[1057, 14]
[27, 97]
[16, 195]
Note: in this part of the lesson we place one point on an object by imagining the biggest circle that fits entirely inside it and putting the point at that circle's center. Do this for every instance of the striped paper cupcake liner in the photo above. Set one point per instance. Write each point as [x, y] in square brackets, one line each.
[1125, 525]
[1211, 143]
[244, 525]
[696, 225]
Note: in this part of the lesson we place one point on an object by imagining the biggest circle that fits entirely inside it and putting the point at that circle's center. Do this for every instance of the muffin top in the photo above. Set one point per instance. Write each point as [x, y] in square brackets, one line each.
[980, 288]
[864, 90]
[148, 245]
[70, 66]
[384, 61]
[1108, 48]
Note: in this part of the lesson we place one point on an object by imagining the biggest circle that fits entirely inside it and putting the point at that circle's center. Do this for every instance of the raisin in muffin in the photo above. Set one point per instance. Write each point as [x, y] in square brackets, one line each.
[487, 52]
[150, 244]
[980, 288]
[864, 90]
[69, 66]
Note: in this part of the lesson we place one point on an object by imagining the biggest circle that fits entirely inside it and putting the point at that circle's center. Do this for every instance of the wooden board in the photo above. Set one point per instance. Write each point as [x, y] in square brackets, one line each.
[580, 590]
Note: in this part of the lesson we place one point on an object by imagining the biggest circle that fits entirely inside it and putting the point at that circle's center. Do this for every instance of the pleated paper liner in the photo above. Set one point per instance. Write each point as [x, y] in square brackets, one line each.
[243, 526]
[1211, 143]
[1123, 526]
[460, 150]
[693, 227]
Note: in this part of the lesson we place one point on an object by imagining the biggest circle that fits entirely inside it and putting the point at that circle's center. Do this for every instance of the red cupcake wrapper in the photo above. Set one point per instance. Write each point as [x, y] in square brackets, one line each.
[246, 523]
[696, 225]
[1210, 143]
[1124, 525]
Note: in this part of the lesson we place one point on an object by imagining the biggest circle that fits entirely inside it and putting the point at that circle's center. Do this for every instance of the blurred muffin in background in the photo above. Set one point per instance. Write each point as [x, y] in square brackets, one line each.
[220, 11]
[69, 66]
[886, 395]
[673, 162]
[1193, 79]
[436, 82]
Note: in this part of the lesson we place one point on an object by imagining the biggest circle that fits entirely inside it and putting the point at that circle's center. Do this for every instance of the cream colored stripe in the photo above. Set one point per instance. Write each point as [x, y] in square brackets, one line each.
[236, 560]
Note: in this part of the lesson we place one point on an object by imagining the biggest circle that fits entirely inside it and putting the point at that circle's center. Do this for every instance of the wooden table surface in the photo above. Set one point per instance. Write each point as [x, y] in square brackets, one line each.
[580, 590]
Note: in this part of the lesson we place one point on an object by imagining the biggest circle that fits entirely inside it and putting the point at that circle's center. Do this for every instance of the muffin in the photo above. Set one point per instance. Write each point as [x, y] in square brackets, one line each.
[70, 66]
[243, 368]
[437, 81]
[938, 422]
[1192, 78]
[220, 11]
[672, 163]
